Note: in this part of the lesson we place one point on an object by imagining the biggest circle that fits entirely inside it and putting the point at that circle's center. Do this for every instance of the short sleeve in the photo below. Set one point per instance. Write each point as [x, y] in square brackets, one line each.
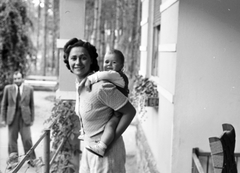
[111, 96]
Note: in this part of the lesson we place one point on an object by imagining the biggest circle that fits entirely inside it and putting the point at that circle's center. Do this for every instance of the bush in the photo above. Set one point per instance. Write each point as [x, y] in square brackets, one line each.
[64, 125]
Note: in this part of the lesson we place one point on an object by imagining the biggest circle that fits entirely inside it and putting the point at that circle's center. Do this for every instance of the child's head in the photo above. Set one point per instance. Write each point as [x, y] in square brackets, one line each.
[113, 60]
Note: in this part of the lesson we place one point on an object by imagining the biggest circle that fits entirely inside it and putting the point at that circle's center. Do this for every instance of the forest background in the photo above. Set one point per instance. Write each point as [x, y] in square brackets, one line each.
[29, 30]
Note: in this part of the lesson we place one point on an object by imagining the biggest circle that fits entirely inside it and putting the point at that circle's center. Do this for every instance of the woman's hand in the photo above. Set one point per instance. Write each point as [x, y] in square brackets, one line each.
[88, 85]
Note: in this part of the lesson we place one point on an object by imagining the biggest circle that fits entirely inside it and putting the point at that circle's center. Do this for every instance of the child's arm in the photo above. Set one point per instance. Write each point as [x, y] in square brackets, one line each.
[111, 76]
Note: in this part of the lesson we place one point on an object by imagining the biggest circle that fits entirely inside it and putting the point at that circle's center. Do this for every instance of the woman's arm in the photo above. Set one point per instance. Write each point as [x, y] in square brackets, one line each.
[113, 98]
[128, 112]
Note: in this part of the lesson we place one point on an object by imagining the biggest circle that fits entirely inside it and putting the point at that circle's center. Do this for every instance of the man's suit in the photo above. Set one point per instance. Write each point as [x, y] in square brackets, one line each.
[18, 118]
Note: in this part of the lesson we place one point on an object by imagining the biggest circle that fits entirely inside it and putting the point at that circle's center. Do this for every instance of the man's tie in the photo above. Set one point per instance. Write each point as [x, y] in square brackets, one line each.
[18, 98]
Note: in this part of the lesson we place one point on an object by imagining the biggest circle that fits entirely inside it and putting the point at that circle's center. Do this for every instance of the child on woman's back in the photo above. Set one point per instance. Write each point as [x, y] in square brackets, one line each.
[113, 66]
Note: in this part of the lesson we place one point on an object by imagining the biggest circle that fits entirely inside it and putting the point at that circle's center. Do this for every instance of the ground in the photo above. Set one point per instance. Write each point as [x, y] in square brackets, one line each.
[44, 101]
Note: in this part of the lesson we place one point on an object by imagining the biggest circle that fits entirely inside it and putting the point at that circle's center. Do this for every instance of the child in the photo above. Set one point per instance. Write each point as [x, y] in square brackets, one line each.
[113, 65]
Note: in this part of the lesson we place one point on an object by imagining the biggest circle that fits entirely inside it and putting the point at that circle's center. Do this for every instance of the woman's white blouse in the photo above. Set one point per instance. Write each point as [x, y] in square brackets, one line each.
[96, 107]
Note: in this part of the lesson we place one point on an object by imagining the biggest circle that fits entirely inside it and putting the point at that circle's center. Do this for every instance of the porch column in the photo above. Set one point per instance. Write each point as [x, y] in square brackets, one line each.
[72, 19]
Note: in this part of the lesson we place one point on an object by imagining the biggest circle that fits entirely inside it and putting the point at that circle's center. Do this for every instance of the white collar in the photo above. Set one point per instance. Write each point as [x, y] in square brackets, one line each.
[19, 86]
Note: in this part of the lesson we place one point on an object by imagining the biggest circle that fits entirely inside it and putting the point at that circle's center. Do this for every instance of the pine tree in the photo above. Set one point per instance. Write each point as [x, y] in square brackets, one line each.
[15, 44]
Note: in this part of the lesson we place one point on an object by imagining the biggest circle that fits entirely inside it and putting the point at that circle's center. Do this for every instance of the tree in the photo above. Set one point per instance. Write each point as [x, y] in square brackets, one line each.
[55, 34]
[15, 44]
[44, 57]
[46, 21]
[118, 23]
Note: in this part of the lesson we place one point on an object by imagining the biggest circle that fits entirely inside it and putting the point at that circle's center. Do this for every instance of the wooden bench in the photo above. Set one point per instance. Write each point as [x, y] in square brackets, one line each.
[222, 158]
[46, 83]
[222, 150]
[41, 78]
[202, 161]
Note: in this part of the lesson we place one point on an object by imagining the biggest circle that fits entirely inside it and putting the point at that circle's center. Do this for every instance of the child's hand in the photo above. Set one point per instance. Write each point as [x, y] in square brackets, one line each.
[88, 85]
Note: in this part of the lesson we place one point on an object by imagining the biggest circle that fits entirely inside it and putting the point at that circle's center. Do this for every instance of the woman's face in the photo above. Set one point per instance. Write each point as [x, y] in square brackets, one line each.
[79, 61]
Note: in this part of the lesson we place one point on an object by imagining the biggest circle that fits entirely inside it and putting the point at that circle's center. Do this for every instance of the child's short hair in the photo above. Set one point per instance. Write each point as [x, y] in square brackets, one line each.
[118, 53]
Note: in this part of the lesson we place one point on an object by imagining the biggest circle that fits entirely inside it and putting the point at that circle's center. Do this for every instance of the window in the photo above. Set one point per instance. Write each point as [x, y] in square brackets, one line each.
[156, 37]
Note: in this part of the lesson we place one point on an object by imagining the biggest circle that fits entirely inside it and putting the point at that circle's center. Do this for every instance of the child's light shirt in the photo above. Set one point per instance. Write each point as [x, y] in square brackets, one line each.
[111, 76]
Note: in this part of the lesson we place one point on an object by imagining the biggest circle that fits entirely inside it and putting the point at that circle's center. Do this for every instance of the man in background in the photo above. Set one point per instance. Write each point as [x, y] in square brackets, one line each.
[17, 111]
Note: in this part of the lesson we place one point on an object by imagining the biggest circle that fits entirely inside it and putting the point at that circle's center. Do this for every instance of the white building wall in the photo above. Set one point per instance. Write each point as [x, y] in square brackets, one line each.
[199, 81]
[167, 72]
[207, 77]
[144, 37]
[158, 125]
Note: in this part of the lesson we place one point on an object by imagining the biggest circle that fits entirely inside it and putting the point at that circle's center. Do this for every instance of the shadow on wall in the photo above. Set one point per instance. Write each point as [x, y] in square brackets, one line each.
[145, 159]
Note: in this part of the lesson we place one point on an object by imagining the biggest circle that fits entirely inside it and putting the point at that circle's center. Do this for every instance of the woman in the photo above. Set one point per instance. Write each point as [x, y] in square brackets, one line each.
[96, 108]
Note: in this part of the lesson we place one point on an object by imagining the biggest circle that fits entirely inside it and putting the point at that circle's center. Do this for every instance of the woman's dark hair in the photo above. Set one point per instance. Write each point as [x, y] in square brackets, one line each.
[74, 42]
